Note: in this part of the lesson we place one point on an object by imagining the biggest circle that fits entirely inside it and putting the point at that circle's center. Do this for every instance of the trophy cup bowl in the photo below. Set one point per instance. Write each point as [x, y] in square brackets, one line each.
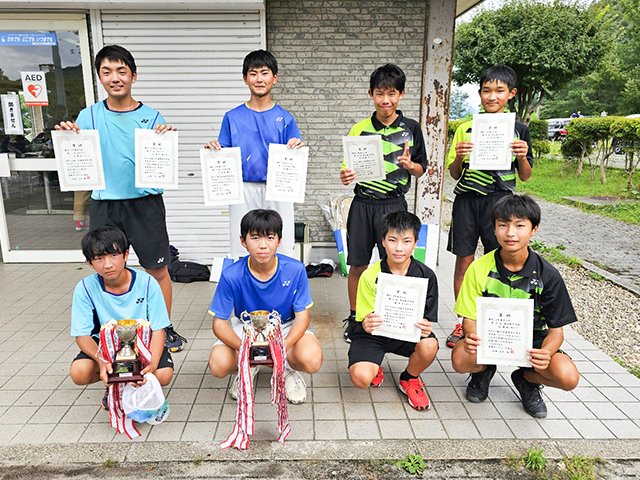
[126, 366]
[259, 353]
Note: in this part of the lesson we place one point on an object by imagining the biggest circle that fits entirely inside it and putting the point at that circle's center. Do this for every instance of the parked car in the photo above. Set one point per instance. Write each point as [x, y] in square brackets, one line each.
[557, 128]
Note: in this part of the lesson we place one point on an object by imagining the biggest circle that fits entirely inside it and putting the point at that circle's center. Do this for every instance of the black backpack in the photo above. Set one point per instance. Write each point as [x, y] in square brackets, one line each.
[186, 272]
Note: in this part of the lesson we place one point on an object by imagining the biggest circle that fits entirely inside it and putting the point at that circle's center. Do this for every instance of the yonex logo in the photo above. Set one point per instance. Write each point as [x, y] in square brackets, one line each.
[279, 119]
[286, 283]
[144, 120]
[534, 281]
[405, 134]
[140, 300]
[161, 259]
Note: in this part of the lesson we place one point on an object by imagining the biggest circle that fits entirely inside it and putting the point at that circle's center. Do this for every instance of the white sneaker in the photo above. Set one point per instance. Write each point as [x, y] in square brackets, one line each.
[295, 387]
[233, 388]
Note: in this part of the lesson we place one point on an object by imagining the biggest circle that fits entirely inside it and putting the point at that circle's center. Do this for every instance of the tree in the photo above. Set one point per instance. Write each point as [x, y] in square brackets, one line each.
[547, 44]
[614, 86]
[458, 105]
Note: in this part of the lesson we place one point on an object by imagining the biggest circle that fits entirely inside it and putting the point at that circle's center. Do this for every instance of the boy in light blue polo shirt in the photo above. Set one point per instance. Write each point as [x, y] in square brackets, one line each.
[138, 212]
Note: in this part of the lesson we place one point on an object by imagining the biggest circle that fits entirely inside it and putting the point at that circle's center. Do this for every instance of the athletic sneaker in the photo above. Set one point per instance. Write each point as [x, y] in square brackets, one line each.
[295, 387]
[105, 399]
[478, 387]
[233, 388]
[172, 340]
[455, 336]
[529, 395]
[413, 390]
[82, 225]
[379, 378]
[348, 324]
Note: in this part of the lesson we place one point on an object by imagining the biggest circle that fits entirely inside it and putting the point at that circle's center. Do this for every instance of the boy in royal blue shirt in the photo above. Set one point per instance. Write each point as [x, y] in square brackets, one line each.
[252, 126]
[138, 212]
[115, 292]
[264, 280]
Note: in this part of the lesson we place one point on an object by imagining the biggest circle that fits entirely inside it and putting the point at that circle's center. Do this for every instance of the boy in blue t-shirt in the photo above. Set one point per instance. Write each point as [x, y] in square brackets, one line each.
[115, 292]
[252, 126]
[264, 280]
[138, 212]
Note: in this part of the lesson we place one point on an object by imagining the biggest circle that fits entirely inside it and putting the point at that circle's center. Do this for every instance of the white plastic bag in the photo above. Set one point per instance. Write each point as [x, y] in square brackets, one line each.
[145, 403]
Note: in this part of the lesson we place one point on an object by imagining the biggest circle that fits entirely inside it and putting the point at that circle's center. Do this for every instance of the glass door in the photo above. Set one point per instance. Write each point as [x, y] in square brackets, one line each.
[45, 77]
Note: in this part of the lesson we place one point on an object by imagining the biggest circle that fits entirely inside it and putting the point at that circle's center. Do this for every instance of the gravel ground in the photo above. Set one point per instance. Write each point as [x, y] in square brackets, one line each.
[608, 315]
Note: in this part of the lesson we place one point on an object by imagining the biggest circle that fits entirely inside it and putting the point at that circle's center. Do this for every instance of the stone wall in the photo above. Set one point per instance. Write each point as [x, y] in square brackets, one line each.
[326, 51]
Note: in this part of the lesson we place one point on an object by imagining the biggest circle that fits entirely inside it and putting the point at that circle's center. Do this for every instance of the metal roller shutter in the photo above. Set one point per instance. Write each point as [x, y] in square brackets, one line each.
[190, 69]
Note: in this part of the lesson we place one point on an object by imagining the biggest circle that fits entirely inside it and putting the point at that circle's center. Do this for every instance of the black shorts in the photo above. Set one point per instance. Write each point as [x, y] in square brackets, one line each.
[372, 348]
[470, 220]
[165, 359]
[143, 222]
[363, 227]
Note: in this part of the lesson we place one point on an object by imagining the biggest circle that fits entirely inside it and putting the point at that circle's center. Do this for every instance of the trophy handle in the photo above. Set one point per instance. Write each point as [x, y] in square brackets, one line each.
[245, 317]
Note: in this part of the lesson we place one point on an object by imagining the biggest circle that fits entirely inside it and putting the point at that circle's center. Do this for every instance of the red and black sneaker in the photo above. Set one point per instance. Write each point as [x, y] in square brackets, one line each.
[455, 336]
[377, 381]
[417, 397]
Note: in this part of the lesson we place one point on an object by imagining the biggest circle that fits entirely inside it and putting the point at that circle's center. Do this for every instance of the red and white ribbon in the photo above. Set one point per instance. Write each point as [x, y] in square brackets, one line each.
[278, 392]
[243, 427]
[107, 349]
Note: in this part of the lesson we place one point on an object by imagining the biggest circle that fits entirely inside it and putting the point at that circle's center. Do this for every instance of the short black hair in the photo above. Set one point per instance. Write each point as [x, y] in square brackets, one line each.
[261, 222]
[400, 221]
[499, 73]
[104, 241]
[258, 59]
[387, 76]
[115, 53]
[516, 206]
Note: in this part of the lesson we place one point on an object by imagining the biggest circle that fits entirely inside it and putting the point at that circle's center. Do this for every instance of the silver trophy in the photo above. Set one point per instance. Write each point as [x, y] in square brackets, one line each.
[259, 353]
[127, 365]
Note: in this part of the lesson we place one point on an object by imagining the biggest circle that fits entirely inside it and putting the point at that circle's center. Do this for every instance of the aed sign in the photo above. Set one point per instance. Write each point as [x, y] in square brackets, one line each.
[34, 88]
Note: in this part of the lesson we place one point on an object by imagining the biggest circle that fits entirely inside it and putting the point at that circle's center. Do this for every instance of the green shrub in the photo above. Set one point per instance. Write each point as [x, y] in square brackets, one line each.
[572, 148]
[539, 130]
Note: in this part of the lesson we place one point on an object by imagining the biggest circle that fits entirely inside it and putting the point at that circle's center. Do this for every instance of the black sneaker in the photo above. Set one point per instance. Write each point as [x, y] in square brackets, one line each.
[172, 340]
[105, 399]
[529, 394]
[348, 324]
[478, 388]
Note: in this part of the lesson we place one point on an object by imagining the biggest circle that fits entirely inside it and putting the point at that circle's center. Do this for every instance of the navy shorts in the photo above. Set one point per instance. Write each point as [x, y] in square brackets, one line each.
[372, 348]
[363, 227]
[166, 361]
[470, 220]
[143, 222]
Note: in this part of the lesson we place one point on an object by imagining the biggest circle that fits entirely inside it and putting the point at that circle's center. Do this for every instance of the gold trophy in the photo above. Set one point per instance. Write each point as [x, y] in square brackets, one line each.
[127, 365]
[259, 353]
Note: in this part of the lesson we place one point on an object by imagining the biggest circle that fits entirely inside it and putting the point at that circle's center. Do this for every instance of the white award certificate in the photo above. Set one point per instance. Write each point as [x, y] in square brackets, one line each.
[222, 176]
[286, 173]
[505, 328]
[78, 159]
[400, 302]
[492, 135]
[156, 159]
[364, 155]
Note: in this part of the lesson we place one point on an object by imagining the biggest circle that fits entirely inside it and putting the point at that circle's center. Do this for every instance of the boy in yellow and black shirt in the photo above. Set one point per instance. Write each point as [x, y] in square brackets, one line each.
[478, 190]
[515, 271]
[404, 157]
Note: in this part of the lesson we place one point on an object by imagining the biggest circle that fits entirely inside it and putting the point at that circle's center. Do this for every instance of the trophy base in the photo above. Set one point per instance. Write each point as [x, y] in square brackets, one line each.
[260, 355]
[125, 371]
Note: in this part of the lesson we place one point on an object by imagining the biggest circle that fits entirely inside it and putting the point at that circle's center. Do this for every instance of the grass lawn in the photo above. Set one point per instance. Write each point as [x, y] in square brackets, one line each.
[550, 182]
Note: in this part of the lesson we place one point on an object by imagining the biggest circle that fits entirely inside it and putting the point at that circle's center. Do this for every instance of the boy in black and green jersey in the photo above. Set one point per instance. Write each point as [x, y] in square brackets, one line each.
[399, 236]
[477, 191]
[404, 156]
[516, 271]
